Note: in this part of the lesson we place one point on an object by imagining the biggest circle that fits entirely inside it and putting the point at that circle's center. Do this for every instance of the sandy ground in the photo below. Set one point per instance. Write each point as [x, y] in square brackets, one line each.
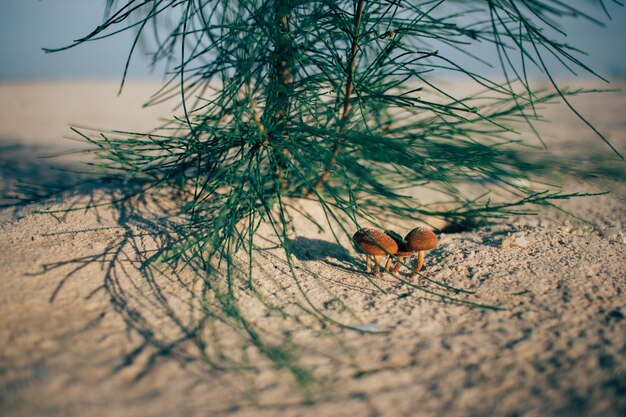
[86, 328]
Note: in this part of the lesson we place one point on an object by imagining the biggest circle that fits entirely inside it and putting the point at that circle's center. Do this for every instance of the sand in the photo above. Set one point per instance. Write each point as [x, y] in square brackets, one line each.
[87, 329]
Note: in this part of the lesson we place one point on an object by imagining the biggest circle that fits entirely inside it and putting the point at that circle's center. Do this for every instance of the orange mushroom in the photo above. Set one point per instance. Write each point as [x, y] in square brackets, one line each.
[374, 243]
[420, 240]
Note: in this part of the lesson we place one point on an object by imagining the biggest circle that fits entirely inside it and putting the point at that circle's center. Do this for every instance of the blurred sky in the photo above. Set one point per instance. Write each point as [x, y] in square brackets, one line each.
[26, 26]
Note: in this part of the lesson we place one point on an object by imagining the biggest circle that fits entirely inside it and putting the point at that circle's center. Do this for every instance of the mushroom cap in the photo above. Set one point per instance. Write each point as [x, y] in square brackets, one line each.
[403, 248]
[420, 239]
[367, 239]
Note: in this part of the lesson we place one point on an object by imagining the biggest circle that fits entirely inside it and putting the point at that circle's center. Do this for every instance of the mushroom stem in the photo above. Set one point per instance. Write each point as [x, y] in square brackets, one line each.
[420, 262]
[376, 265]
[397, 265]
[369, 263]
[388, 264]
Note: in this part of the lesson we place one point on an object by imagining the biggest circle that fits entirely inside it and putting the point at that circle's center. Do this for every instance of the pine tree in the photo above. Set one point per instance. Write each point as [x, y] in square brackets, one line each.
[334, 101]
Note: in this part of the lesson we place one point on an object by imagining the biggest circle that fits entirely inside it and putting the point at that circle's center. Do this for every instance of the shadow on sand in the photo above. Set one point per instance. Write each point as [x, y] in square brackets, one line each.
[27, 174]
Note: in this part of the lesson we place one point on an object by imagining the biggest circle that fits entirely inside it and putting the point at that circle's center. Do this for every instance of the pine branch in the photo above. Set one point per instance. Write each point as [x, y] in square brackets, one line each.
[280, 95]
[350, 68]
